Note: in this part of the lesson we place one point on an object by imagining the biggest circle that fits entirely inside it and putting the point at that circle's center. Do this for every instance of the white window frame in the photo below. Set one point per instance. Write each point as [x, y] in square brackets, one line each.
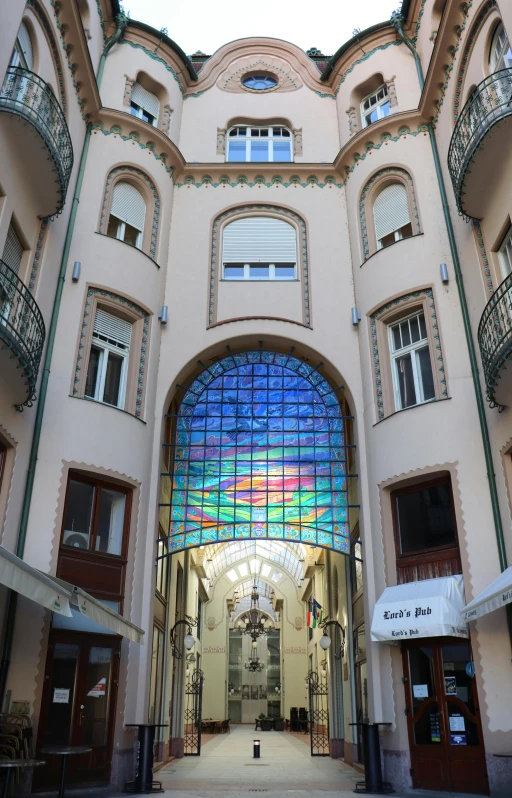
[505, 254]
[247, 273]
[99, 388]
[411, 349]
[248, 138]
[497, 56]
[121, 231]
[398, 237]
[376, 106]
[140, 111]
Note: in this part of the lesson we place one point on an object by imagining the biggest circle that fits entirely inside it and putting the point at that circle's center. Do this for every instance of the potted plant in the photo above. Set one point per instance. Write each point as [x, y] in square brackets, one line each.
[266, 723]
[279, 724]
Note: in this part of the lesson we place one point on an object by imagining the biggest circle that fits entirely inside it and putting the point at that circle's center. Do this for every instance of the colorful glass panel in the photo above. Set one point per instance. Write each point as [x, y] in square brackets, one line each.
[259, 452]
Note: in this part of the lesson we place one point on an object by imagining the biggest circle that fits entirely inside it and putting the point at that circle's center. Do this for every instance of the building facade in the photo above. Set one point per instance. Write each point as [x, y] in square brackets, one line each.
[255, 308]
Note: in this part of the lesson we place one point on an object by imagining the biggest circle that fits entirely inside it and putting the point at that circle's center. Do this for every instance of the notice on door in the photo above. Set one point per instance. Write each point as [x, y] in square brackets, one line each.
[98, 690]
[420, 690]
[457, 723]
[60, 695]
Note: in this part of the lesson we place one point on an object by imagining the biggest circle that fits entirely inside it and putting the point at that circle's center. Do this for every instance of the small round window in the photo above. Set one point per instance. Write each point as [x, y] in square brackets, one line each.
[259, 82]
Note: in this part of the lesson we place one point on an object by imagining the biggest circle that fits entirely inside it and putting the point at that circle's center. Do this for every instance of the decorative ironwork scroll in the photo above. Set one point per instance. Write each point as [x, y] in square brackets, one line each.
[193, 715]
[318, 715]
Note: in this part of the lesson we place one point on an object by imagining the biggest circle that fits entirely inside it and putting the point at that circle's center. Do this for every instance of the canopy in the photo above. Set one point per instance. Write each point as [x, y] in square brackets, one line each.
[430, 608]
[60, 596]
[495, 595]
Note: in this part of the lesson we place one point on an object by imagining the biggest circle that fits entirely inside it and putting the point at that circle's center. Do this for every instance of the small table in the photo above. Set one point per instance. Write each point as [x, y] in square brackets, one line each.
[64, 751]
[17, 763]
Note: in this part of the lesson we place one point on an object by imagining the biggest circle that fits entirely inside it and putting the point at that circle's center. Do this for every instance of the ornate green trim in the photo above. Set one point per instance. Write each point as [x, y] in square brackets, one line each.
[156, 58]
[98, 6]
[302, 255]
[143, 355]
[67, 49]
[127, 169]
[116, 131]
[35, 6]
[389, 170]
[37, 254]
[482, 254]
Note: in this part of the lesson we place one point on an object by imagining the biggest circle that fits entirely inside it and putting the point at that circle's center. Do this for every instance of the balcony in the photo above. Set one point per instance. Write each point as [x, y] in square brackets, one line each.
[30, 116]
[476, 164]
[22, 337]
[495, 341]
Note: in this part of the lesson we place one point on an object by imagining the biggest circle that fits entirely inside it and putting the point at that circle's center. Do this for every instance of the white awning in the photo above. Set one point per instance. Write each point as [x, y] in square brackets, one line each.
[431, 608]
[60, 596]
[495, 595]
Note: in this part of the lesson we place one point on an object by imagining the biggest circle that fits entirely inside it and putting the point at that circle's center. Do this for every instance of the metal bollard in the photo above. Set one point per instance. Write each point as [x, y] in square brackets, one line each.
[256, 749]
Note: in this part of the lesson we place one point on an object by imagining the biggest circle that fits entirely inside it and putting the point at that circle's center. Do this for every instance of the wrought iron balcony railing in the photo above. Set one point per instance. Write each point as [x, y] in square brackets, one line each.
[27, 95]
[495, 337]
[21, 328]
[489, 102]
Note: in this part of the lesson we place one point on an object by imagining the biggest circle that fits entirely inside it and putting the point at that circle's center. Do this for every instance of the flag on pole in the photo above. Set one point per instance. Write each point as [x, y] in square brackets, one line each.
[315, 614]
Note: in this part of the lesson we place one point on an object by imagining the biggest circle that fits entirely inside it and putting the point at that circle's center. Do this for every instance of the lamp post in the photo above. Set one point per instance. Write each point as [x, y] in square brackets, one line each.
[189, 640]
[325, 640]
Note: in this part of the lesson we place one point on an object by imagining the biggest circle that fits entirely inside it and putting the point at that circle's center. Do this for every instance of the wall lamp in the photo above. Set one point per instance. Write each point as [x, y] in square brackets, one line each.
[163, 314]
[325, 640]
[356, 317]
[75, 274]
[444, 273]
[189, 640]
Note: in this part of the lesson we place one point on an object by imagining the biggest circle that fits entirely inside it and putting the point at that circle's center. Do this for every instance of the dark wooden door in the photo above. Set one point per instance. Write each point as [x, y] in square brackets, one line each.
[443, 718]
[78, 706]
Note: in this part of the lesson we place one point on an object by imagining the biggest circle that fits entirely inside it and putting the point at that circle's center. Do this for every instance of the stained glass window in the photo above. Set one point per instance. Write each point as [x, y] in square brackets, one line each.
[259, 452]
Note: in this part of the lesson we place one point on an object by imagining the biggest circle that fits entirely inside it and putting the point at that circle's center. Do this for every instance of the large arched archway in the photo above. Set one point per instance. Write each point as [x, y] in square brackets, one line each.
[259, 451]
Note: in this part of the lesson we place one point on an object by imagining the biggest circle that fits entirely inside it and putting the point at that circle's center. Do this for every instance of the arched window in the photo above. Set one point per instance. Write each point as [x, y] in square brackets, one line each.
[261, 144]
[127, 214]
[259, 248]
[500, 55]
[144, 104]
[22, 55]
[392, 215]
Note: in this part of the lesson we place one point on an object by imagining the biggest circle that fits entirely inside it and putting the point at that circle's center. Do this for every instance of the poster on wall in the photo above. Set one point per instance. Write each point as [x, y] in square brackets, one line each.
[450, 685]
[254, 692]
[245, 691]
[263, 690]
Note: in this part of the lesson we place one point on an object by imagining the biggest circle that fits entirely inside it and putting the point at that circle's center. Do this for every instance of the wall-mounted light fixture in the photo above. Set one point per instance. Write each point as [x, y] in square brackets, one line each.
[444, 273]
[75, 275]
[163, 314]
[325, 640]
[356, 317]
[189, 639]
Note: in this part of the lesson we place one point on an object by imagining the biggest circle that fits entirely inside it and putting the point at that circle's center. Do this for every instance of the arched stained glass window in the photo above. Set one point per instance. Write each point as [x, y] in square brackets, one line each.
[259, 452]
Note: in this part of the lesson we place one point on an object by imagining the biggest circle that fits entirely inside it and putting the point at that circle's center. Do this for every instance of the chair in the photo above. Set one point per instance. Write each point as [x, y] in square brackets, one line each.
[257, 726]
[217, 727]
[225, 727]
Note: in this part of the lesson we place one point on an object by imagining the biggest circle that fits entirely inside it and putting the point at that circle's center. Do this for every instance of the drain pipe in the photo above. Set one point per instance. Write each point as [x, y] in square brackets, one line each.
[397, 21]
[121, 23]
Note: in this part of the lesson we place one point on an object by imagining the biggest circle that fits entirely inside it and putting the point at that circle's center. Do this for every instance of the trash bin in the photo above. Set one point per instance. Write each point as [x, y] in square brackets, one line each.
[144, 763]
[372, 783]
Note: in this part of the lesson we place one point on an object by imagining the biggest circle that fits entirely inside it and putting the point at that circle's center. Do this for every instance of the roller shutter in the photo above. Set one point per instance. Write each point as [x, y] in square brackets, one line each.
[128, 205]
[391, 210]
[146, 100]
[111, 328]
[13, 250]
[259, 239]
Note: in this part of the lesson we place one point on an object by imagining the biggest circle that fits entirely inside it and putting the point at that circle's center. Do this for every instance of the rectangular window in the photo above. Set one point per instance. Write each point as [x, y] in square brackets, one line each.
[505, 254]
[424, 518]
[162, 566]
[136, 110]
[108, 359]
[259, 271]
[124, 232]
[259, 145]
[96, 516]
[413, 381]
[375, 106]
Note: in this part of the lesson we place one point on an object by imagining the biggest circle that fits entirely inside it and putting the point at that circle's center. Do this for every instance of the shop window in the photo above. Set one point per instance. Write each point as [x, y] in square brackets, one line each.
[500, 54]
[127, 214]
[259, 144]
[144, 104]
[375, 106]
[95, 516]
[411, 366]
[424, 518]
[259, 248]
[392, 215]
[22, 55]
[108, 359]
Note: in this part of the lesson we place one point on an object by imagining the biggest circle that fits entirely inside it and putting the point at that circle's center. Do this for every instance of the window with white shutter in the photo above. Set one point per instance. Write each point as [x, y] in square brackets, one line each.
[144, 105]
[13, 250]
[108, 359]
[259, 248]
[127, 214]
[22, 55]
[392, 215]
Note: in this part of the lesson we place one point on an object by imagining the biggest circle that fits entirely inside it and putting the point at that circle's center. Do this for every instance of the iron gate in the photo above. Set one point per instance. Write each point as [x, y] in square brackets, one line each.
[318, 715]
[193, 713]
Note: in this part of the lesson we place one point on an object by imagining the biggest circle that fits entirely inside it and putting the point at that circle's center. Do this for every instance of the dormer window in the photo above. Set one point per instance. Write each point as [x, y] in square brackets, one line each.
[375, 106]
[259, 144]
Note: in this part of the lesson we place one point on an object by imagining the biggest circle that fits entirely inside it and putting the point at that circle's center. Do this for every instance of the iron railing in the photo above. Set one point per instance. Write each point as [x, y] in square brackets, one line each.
[489, 102]
[21, 327]
[26, 94]
[495, 337]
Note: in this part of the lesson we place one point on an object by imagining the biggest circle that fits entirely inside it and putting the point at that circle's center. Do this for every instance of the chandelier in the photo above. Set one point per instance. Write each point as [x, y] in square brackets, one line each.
[254, 622]
[254, 665]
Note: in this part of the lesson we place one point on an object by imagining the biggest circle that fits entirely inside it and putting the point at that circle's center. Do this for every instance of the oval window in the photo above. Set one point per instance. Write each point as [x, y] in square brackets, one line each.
[259, 82]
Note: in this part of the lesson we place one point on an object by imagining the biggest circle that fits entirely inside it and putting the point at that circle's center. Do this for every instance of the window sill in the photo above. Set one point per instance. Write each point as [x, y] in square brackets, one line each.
[385, 249]
[262, 280]
[94, 556]
[111, 407]
[126, 244]
[406, 409]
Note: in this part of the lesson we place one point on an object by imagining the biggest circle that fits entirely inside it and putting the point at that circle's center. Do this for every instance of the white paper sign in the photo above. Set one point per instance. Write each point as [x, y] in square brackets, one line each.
[60, 696]
[420, 690]
[457, 723]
